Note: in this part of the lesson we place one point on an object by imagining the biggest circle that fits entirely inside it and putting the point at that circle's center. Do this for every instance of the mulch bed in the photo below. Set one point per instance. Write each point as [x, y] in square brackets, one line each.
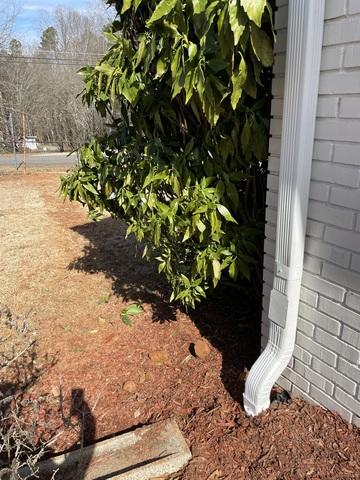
[96, 376]
[298, 441]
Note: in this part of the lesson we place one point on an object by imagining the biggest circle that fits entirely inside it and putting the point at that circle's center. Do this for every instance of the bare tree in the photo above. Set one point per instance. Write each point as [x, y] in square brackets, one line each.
[8, 11]
[43, 83]
[78, 32]
[17, 87]
[79, 40]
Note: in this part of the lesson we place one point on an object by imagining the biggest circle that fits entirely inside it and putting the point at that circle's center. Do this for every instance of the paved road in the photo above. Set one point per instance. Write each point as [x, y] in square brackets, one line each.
[39, 159]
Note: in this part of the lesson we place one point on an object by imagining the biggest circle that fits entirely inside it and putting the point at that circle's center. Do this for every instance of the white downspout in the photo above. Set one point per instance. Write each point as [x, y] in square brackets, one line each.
[304, 42]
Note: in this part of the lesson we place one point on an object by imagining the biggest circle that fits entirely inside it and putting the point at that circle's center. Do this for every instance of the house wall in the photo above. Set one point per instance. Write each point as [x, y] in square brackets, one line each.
[325, 367]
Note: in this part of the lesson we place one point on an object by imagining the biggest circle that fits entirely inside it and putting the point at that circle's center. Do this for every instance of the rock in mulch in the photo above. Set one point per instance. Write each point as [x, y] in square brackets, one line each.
[202, 349]
[159, 357]
[130, 386]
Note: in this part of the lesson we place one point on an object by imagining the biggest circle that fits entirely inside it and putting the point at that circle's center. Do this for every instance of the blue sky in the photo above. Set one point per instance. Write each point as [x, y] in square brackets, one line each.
[35, 15]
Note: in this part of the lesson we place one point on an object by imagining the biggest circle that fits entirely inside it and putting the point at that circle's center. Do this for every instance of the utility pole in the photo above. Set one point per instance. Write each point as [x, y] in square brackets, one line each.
[24, 141]
[13, 137]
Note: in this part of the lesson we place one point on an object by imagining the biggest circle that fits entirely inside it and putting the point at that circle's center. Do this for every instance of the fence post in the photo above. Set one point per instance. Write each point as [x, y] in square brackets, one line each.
[24, 141]
[13, 137]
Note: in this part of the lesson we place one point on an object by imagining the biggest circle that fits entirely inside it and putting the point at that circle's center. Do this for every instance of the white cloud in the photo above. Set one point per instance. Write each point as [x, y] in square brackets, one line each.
[37, 8]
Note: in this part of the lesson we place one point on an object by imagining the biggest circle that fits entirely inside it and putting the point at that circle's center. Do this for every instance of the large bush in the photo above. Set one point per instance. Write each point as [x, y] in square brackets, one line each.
[184, 86]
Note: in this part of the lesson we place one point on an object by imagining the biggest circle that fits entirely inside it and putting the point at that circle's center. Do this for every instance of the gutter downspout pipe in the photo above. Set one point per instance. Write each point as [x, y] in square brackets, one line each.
[304, 43]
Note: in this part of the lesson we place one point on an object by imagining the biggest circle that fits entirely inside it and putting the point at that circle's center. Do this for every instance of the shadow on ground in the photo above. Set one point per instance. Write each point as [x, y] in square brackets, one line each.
[133, 278]
[227, 320]
[81, 419]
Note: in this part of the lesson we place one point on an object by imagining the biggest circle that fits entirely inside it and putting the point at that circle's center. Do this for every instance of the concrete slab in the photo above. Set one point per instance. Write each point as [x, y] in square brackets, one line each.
[145, 453]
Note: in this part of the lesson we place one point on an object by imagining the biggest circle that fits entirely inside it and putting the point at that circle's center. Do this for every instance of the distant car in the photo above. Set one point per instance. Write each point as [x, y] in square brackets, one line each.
[30, 143]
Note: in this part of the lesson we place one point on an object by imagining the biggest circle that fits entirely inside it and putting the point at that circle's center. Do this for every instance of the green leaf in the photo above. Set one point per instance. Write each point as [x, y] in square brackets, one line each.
[237, 20]
[176, 185]
[238, 80]
[199, 6]
[220, 189]
[133, 309]
[244, 269]
[187, 234]
[192, 50]
[189, 85]
[201, 226]
[126, 320]
[215, 222]
[216, 271]
[250, 84]
[90, 188]
[161, 67]
[137, 4]
[200, 82]
[105, 68]
[259, 143]
[157, 234]
[245, 136]
[262, 46]
[233, 194]
[130, 93]
[254, 9]
[175, 63]
[185, 280]
[233, 271]
[162, 9]
[126, 6]
[210, 104]
[217, 64]
[225, 213]
[140, 52]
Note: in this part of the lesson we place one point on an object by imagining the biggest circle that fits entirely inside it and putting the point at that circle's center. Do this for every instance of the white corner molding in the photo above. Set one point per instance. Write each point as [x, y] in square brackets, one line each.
[303, 55]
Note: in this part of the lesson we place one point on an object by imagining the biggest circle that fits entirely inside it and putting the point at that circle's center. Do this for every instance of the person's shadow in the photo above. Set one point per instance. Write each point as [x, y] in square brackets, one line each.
[75, 463]
[230, 319]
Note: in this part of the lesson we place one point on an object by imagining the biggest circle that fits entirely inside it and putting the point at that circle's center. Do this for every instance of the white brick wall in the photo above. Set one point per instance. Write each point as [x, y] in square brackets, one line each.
[325, 367]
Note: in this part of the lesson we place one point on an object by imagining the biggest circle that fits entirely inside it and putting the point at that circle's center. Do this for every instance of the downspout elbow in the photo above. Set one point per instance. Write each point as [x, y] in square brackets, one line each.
[278, 351]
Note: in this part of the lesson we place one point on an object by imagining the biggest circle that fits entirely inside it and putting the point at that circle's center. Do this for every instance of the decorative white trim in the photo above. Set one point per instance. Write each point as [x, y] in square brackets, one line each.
[304, 43]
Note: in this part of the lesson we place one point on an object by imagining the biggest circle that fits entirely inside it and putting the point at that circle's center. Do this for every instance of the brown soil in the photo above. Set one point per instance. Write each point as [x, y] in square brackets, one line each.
[73, 278]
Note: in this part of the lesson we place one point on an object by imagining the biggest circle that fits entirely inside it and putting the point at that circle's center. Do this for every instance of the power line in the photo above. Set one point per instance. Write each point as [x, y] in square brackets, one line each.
[72, 52]
[23, 57]
[43, 61]
[77, 64]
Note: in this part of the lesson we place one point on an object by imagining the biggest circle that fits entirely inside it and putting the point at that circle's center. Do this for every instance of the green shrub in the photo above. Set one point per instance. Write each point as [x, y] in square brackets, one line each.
[185, 86]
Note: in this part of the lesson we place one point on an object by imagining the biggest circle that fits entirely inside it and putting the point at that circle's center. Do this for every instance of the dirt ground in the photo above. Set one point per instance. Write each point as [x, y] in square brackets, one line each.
[73, 278]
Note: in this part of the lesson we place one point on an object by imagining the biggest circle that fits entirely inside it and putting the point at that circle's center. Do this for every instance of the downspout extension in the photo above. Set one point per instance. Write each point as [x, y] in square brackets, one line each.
[304, 43]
